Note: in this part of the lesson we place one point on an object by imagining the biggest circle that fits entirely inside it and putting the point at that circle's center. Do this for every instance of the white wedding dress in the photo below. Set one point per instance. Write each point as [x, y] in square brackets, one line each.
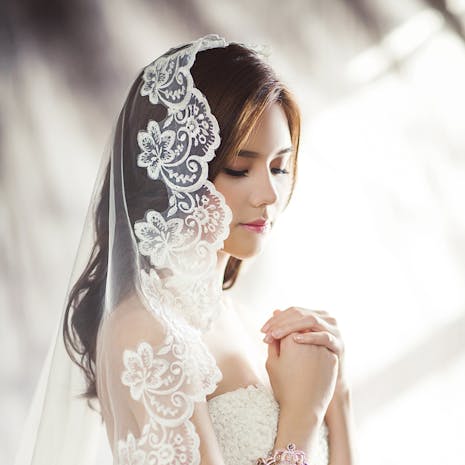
[245, 423]
[145, 392]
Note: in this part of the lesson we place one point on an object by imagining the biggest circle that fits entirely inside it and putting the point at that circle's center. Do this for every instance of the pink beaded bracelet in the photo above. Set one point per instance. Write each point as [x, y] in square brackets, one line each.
[289, 456]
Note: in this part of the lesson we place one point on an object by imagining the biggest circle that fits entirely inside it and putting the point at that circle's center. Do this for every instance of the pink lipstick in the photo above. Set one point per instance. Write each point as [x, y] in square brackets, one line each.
[258, 226]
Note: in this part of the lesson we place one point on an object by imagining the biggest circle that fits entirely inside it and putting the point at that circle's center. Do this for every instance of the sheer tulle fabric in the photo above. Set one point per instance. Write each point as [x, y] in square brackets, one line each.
[166, 222]
[149, 380]
[161, 289]
[152, 365]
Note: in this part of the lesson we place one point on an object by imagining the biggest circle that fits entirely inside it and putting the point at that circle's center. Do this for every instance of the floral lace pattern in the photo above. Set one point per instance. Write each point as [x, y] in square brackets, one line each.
[157, 149]
[167, 381]
[158, 238]
[176, 243]
[179, 150]
[168, 79]
[182, 241]
[180, 286]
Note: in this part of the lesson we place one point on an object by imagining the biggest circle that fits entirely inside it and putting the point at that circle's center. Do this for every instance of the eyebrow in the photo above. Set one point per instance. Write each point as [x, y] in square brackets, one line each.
[252, 154]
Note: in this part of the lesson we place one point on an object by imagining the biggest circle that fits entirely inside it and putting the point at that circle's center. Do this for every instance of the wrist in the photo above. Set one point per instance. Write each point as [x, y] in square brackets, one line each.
[302, 419]
[340, 404]
[342, 387]
[290, 456]
[298, 428]
[342, 393]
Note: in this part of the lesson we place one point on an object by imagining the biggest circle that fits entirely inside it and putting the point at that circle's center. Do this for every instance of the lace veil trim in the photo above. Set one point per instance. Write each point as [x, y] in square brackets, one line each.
[180, 286]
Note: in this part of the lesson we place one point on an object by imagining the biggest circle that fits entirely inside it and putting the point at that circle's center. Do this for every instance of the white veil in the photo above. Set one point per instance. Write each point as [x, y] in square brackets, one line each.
[156, 222]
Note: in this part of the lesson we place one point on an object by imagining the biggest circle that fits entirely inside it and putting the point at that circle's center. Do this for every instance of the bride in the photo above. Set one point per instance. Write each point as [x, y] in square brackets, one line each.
[202, 161]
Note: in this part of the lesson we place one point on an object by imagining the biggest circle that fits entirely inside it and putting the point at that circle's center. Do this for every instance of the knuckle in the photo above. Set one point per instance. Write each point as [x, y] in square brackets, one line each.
[294, 311]
[310, 319]
[289, 337]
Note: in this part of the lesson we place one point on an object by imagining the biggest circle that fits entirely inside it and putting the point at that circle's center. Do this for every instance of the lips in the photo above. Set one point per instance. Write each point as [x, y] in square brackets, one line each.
[257, 223]
[258, 226]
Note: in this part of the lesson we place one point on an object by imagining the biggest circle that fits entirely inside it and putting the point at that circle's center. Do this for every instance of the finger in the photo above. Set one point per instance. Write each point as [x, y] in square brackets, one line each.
[298, 322]
[321, 312]
[273, 350]
[328, 317]
[322, 338]
[278, 332]
[267, 323]
[280, 317]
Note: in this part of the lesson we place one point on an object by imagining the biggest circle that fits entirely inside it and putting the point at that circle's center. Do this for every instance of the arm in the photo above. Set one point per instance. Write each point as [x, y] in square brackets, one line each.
[303, 430]
[298, 429]
[320, 328]
[340, 428]
[152, 396]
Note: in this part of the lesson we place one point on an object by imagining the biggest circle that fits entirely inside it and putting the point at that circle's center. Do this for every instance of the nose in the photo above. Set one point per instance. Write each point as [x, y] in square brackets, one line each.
[264, 191]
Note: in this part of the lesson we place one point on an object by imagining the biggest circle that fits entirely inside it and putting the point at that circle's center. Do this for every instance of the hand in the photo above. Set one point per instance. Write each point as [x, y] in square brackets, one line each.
[316, 327]
[303, 378]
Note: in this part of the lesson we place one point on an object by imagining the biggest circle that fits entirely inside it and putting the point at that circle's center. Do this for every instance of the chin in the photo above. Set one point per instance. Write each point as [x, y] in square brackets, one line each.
[242, 252]
[243, 246]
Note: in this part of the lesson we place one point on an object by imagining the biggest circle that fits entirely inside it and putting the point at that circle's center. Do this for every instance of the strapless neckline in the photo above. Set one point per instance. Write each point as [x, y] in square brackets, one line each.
[245, 421]
[255, 386]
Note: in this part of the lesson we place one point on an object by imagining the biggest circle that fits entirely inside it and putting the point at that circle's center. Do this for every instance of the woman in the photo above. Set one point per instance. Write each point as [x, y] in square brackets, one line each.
[147, 320]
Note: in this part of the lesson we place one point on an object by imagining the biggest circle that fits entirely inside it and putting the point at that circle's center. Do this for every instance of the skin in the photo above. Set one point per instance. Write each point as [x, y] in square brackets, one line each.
[313, 327]
[258, 188]
[259, 183]
[256, 184]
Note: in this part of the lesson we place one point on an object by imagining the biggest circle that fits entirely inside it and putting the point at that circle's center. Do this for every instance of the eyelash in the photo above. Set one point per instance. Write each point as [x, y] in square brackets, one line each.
[243, 173]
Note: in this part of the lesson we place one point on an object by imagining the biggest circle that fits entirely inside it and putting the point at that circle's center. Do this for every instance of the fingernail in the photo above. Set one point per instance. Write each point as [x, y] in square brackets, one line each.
[298, 337]
[277, 333]
[267, 338]
[265, 328]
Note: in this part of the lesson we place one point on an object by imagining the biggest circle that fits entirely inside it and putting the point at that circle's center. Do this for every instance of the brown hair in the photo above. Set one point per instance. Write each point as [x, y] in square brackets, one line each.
[239, 86]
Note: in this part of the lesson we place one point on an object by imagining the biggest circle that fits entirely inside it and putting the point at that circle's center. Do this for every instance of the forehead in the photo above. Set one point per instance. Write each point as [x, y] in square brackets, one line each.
[271, 132]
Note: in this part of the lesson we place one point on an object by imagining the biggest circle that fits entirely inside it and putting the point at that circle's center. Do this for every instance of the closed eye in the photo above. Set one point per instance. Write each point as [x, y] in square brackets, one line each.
[241, 173]
[235, 173]
[279, 171]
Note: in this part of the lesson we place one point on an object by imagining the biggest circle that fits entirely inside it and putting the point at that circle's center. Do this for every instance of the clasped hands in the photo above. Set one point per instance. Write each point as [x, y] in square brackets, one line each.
[310, 327]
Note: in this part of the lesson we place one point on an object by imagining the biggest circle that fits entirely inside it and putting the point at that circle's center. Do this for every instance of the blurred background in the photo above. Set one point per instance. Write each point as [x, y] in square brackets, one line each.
[375, 233]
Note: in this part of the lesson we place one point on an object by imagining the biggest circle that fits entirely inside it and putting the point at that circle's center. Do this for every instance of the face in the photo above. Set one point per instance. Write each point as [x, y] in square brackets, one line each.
[256, 184]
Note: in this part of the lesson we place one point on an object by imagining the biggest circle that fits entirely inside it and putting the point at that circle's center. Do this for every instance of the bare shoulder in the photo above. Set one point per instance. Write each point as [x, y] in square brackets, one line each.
[130, 323]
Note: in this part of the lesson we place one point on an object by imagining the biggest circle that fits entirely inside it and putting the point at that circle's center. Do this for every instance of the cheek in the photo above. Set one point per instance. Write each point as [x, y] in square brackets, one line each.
[233, 196]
